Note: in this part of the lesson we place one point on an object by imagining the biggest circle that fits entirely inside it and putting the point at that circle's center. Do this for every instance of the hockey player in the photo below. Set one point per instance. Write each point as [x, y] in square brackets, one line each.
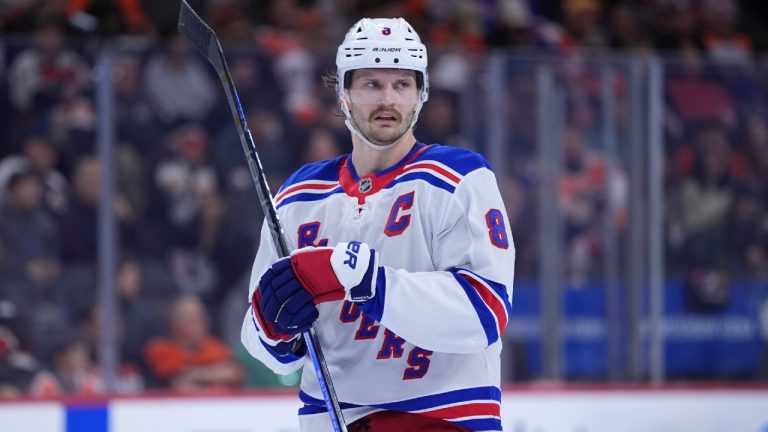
[402, 259]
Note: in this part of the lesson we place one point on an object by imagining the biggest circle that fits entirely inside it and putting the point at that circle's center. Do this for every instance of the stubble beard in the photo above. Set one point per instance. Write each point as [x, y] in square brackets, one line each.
[383, 136]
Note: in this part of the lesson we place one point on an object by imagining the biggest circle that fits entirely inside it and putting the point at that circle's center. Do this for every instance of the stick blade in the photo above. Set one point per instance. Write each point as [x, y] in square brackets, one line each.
[199, 34]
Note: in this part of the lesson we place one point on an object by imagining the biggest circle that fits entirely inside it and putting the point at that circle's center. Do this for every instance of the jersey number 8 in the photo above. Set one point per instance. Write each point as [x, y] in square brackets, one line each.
[496, 228]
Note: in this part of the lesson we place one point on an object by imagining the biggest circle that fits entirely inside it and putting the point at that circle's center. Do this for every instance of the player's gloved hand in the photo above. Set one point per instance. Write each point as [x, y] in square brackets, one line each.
[290, 289]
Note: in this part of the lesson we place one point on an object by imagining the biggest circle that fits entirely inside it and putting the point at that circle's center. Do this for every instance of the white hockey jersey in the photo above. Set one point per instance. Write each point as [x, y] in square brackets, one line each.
[429, 341]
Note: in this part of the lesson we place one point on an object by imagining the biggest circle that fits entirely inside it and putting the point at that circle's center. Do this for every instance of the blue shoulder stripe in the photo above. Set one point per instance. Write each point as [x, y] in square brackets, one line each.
[427, 177]
[303, 197]
[323, 170]
[459, 159]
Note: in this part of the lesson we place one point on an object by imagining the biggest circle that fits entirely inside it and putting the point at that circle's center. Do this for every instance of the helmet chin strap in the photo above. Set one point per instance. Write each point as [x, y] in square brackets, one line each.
[352, 126]
[354, 129]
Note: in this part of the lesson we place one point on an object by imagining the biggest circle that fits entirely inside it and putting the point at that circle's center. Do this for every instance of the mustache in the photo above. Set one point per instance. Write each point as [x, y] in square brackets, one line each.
[386, 112]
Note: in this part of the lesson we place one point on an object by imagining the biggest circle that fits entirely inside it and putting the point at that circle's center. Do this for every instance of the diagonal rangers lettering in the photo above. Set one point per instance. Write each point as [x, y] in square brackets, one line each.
[307, 235]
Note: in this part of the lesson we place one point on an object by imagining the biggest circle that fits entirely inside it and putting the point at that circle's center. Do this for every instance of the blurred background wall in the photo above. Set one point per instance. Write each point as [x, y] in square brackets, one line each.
[629, 139]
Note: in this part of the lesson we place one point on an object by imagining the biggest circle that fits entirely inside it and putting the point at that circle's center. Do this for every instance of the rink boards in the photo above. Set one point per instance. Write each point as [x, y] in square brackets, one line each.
[529, 410]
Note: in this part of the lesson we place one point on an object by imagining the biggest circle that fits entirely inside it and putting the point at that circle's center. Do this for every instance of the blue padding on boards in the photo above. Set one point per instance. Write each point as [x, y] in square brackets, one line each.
[87, 418]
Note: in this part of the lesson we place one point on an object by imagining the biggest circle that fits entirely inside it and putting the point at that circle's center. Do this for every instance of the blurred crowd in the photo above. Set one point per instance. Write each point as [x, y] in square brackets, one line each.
[188, 218]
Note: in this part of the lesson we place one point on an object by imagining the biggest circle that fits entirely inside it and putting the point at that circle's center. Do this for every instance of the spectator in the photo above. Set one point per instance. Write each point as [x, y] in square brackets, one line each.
[79, 222]
[187, 184]
[705, 199]
[137, 314]
[128, 378]
[458, 37]
[676, 28]
[190, 358]
[178, 85]
[31, 265]
[514, 26]
[137, 124]
[72, 371]
[28, 234]
[233, 24]
[580, 28]
[582, 21]
[627, 30]
[293, 64]
[41, 76]
[43, 157]
[270, 135]
[589, 185]
[253, 75]
[72, 129]
[78, 225]
[723, 42]
[39, 157]
[189, 208]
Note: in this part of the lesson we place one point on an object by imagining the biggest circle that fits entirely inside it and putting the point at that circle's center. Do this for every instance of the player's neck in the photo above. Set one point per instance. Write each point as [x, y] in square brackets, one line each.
[367, 160]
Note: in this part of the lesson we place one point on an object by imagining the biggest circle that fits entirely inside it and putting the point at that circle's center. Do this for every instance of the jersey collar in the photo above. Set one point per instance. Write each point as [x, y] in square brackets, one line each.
[369, 184]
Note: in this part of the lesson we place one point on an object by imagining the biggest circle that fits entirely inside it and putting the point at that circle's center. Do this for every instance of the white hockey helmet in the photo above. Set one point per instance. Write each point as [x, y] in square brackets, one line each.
[382, 43]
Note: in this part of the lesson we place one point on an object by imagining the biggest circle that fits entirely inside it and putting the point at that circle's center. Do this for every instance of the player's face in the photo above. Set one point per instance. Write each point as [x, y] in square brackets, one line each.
[382, 103]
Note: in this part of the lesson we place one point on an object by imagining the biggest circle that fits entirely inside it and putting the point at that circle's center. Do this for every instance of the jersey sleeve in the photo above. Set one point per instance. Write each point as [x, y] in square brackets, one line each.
[274, 350]
[464, 306]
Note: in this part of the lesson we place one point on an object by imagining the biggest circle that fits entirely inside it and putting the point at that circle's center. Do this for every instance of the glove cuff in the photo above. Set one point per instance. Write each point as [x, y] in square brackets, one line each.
[355, 265]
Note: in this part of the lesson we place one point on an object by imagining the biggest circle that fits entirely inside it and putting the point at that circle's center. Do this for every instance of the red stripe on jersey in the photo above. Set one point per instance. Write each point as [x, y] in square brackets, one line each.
[434, 167]
[378, 181]
[305, 186]
[465, 410]
[495, 304]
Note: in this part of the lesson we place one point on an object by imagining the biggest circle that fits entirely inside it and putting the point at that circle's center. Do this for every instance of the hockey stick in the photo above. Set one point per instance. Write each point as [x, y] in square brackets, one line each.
[204, 40]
